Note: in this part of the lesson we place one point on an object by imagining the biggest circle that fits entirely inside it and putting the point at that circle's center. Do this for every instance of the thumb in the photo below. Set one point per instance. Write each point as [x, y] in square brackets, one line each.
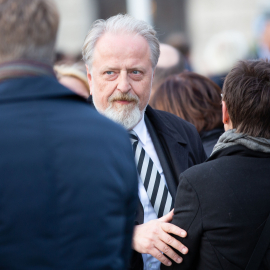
[168, 217]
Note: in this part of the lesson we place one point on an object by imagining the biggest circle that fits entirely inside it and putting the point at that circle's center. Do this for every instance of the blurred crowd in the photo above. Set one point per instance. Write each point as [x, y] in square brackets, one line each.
[124, 157]
[177, 88]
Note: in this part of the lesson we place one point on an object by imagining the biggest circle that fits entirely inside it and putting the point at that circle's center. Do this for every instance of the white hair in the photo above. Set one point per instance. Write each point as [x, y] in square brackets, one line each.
[120, 24]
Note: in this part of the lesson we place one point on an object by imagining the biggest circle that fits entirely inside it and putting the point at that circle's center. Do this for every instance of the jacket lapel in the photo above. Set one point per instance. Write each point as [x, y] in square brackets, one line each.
[173, 144]
[167, 170]
[177, 153]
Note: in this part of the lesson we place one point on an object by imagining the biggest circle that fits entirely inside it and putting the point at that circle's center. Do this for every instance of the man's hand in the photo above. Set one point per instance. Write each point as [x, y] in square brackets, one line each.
[153, 238]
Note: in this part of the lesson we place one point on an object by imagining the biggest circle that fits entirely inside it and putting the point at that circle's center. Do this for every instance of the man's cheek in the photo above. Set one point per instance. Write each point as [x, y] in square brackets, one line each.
[104, 102]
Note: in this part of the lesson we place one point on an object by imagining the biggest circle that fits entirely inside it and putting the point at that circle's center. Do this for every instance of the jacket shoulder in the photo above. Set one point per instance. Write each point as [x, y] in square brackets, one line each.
[184, 132]
[176, 121]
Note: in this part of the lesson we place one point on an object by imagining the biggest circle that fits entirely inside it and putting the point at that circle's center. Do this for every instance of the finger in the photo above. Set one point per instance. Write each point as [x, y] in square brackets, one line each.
[158, 255]
[171, 228]
[168, 217]
[171, 241]
[168, 251]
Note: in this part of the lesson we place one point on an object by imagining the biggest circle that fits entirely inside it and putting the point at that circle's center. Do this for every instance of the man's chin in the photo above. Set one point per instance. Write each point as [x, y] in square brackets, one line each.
[126, 115]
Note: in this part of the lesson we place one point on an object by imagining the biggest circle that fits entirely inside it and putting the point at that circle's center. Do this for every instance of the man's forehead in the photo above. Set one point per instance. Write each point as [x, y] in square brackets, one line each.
[114, 36]
[122, 51]
[121, 42]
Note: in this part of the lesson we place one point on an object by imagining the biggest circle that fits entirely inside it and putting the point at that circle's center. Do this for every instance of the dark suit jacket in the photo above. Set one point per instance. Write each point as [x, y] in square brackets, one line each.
[68, 182]
[178, 146]
[223, 204]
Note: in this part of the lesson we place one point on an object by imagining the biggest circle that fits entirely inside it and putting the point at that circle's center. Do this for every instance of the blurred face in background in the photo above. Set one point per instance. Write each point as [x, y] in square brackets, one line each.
[266, 35]
[121, 77]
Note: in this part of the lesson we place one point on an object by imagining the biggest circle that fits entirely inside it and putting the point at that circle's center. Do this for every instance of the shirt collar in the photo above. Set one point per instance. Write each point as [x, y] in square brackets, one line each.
[141, 131]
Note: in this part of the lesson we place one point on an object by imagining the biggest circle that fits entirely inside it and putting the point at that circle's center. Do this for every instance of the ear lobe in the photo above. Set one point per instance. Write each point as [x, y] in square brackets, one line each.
[225, 114]
[89, 78]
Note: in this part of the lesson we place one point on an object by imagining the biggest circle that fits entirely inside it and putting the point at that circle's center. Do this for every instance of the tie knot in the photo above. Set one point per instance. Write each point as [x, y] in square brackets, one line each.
[133, 136]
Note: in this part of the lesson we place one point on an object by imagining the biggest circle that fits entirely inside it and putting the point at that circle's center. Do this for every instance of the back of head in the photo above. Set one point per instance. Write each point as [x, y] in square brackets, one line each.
[246, 93]
[169, 57]
[179, 41]
[192, 97]
[28, 29]
[120, 24]
[169, 63]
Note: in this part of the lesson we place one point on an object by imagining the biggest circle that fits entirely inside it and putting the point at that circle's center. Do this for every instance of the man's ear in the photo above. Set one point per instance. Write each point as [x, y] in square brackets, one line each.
[226, 117]
[89, 78]
[225, 114]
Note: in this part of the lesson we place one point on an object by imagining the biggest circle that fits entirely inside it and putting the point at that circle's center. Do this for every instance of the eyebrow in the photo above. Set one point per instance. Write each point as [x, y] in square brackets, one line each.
[107, 68]
[115, 68]
[137, 68]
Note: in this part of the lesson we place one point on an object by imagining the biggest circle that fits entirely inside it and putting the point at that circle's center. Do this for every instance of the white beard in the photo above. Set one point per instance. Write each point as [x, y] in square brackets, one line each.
[127, 115]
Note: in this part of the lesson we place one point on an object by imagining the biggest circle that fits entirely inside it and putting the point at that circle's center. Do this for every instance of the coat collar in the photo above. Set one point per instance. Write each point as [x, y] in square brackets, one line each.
[24, 68]
[238, 150]
[163, 127]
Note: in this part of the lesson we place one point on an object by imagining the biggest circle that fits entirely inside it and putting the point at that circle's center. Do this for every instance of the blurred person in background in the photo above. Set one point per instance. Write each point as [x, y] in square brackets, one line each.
[195, 99]
[170, 62]
[68, 182]
[63, 58]
[224, 203]
[262, 32]
[180, 42]
[73, 77]
[120, 78]
[222, 51]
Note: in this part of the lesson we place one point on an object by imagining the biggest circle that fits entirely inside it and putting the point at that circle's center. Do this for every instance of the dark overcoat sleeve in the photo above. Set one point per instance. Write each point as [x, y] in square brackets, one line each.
[187, 215]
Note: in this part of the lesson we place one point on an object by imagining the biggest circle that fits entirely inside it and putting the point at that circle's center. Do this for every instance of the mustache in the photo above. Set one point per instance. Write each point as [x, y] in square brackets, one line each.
[125, 97]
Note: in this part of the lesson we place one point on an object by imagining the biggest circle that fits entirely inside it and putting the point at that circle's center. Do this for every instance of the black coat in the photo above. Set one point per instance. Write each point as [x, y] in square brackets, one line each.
[223, 205]
[178, 146]
[68, 182]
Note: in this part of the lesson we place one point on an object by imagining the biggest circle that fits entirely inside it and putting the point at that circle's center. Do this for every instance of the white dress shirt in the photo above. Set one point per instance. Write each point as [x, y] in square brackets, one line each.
[150, 263]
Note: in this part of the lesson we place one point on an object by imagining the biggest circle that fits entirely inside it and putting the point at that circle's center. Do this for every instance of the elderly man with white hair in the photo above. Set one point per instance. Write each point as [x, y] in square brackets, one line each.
[121, 54]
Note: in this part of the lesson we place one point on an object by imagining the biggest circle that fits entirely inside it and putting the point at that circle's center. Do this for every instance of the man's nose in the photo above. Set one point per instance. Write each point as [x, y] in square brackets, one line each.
[123, 83]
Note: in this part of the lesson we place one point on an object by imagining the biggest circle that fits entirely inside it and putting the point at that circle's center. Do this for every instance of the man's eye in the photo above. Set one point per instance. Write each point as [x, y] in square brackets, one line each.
[109, 72]
[136, 72]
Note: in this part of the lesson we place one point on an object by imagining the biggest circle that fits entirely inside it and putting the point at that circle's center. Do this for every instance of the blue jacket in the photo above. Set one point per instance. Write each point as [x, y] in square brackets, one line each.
[68, 182]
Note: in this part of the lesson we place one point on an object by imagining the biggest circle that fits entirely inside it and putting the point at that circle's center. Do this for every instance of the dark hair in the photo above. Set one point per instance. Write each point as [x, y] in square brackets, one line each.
[192, 97]
[246, 93]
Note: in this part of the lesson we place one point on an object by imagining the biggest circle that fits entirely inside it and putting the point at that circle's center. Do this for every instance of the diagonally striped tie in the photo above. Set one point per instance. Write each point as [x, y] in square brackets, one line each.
[155, 187]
